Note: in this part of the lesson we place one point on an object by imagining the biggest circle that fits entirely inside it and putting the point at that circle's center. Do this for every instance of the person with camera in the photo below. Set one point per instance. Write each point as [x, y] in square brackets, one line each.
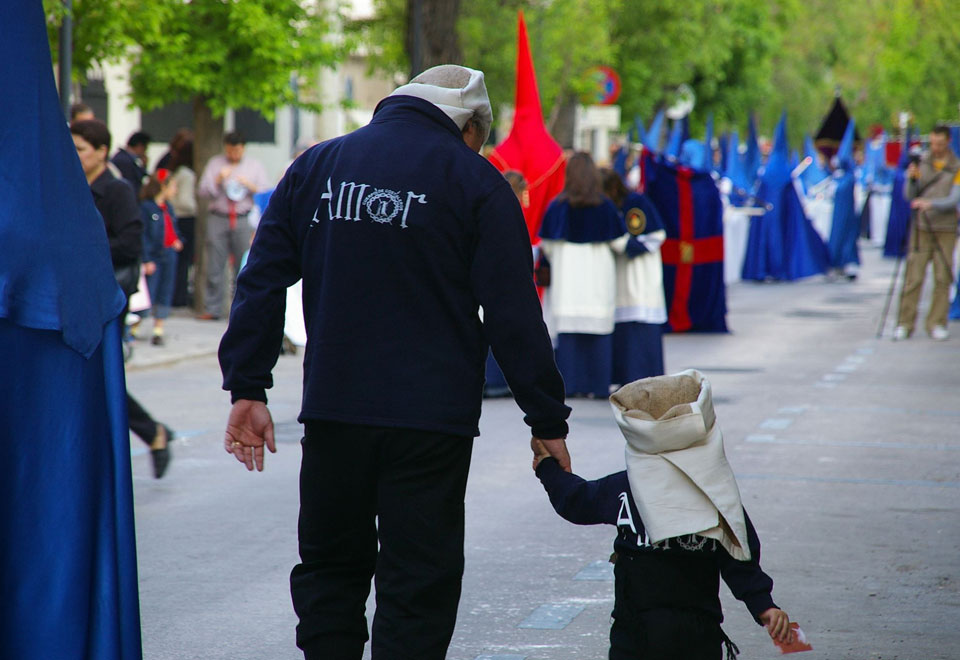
[933, 188]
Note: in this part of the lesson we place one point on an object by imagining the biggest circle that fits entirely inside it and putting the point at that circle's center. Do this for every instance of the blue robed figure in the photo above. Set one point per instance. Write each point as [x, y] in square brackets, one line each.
[782, 244]
[845, 227]
[68, 573]
[895, 244]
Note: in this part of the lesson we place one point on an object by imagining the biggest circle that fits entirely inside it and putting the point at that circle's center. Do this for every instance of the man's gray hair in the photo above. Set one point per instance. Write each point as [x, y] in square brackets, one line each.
[458, 91]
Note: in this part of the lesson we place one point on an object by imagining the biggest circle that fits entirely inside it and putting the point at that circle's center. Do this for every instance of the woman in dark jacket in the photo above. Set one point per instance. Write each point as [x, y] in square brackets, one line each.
[115, 200]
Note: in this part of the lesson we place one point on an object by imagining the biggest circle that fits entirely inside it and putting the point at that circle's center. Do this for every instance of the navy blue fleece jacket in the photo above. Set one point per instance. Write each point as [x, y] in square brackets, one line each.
[400, 233]
[682, 572]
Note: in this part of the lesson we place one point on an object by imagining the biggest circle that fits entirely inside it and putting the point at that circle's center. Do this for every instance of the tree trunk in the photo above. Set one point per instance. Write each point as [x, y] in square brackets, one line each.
[432, 34]
[562, 120]
[207, 142]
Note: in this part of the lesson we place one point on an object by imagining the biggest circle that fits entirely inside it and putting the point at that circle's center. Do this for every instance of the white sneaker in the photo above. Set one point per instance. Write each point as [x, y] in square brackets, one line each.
[900, 333]
[940, 333]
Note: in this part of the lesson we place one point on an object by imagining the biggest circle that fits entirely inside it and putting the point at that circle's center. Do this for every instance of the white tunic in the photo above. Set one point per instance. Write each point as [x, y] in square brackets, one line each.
[640, 281]
[582, 291]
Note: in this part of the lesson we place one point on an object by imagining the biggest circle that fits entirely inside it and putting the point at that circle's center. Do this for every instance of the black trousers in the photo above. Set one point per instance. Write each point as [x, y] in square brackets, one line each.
[402, 488]
[666, 634]
[140, 420]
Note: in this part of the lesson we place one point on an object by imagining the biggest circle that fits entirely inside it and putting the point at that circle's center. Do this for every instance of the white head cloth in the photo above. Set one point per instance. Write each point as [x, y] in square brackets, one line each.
[678, 473]
[457, 90]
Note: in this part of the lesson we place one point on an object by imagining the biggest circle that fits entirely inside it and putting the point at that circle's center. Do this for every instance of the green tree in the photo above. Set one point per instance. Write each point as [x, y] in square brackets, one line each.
[219, 55]
[566, 38]
[101, 30]
[721, 48]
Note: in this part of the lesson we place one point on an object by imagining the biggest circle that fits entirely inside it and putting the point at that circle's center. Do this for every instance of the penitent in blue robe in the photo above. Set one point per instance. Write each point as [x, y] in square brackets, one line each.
[782, 244]
[845, 228]
[68, 570]
[895, 244]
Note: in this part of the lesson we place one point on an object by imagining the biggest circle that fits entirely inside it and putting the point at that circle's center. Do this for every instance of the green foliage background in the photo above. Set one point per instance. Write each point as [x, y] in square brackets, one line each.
[740, 56]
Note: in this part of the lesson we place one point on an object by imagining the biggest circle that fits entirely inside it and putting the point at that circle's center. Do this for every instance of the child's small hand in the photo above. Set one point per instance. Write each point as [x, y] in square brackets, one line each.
[539, 452]
[778, 625]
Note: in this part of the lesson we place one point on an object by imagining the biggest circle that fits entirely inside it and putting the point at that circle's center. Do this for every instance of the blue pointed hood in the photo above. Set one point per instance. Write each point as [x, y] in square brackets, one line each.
[813, 174]
[845, 151]
[48, 221]
[651, 140]
[955, 139]
[777, 170]
[677, 138]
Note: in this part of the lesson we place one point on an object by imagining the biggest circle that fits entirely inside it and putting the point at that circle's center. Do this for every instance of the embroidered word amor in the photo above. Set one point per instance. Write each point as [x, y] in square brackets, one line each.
[382, 205]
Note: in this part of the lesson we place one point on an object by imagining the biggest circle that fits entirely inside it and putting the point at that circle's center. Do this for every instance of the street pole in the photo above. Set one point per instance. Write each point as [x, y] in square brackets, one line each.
[66, 57]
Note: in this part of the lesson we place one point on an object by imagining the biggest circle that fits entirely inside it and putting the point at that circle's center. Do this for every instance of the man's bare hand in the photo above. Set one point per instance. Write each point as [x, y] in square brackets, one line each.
[249, 428]
[558, 449]
[920, 204]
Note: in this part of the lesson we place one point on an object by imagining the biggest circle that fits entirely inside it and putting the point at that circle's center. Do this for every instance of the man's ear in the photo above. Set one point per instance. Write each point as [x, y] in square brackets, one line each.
[471, 135]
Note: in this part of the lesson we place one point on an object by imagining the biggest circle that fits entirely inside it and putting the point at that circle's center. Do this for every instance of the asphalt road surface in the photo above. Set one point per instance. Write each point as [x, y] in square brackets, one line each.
[846, 448]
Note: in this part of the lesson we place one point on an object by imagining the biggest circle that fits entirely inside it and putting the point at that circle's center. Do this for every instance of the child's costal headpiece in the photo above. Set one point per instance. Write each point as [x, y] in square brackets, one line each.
[679, 475]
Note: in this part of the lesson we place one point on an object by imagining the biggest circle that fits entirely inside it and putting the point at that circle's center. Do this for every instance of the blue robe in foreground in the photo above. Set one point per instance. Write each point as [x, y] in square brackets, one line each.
[68, 570]
[585, 360]
[845, 227]
[782, 244]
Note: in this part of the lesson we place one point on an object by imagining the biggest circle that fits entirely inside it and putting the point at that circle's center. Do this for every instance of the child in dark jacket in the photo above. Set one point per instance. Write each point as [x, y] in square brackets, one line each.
[161, 243]
[667, 602]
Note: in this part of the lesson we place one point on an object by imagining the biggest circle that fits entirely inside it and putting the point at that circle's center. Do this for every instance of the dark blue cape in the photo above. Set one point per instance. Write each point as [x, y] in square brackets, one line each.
[706, 307]
[583, 224]
[782, 244]
[68, 573]
[640, 201]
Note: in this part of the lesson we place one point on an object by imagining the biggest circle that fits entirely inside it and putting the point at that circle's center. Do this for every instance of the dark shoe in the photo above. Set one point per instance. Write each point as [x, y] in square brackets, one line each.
[207, 317]
[157, 340]
[161, 457]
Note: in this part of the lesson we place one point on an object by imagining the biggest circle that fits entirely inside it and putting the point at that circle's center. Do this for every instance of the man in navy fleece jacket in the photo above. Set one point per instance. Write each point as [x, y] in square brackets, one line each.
[400, 232]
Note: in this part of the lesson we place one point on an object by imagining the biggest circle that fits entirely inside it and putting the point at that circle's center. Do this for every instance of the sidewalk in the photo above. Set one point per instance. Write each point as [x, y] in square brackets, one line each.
[186, 339]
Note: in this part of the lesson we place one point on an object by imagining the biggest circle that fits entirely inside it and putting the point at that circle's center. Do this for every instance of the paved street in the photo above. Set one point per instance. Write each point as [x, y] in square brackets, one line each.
[846, 448]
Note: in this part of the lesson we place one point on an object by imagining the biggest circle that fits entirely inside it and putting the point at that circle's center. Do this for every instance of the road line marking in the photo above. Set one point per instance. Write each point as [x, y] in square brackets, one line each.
[769, 439]
[792, 410]
[922, 483]
[599, 570]
[552, 616]
[509, 656]
[776, 423]
[846, 368]
[834, 377]
[825, 384]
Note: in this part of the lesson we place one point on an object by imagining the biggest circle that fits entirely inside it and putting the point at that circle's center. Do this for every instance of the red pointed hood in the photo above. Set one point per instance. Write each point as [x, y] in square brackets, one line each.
[529, 148]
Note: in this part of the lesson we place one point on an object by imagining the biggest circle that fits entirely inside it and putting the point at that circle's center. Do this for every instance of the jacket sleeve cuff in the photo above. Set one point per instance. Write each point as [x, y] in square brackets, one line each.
[251, 395]
[758, 603]
[551, 431]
